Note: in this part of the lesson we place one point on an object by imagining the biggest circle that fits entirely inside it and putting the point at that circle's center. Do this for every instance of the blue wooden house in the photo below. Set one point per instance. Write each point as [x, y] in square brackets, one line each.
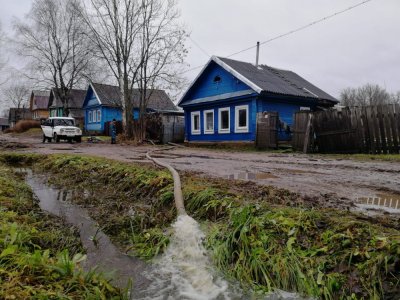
[102, 104]
[223, 101]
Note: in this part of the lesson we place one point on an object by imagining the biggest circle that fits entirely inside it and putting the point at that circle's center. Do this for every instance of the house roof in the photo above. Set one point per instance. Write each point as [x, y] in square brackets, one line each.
[266, 79]
[77, 97]
[40, 100]
[110, 95]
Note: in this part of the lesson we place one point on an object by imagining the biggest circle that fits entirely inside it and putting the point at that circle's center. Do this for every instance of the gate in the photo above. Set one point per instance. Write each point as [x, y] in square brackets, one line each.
[267, 130]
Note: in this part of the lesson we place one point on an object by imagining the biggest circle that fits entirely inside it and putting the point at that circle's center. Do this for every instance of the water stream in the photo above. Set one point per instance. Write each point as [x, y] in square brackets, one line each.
[102, 254]
[184, 271]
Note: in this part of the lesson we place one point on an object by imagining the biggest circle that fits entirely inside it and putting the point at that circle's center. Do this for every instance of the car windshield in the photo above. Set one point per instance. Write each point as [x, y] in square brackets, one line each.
[63, 122]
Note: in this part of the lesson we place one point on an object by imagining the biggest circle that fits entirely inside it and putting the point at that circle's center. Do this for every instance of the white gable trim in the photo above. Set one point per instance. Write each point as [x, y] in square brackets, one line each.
[237, 74]
[194, 81]
[227, 68]
[94, 91]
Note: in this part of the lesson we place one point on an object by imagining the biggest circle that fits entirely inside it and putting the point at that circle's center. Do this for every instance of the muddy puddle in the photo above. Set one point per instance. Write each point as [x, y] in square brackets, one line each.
[381, 202]
[184, 271]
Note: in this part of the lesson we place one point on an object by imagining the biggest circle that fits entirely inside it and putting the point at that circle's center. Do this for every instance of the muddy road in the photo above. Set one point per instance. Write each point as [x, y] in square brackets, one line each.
[311, 175]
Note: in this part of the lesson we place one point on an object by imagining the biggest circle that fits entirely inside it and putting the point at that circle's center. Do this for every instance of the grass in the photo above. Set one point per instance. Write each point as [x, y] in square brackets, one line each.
[264, 237]
[39, 255]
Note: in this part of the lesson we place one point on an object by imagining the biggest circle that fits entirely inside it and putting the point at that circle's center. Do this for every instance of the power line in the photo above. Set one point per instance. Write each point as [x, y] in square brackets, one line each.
[200, 48]
[303, 27]
[290, 32]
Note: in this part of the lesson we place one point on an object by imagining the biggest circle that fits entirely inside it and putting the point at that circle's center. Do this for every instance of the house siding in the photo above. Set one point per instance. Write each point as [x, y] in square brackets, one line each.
[229, 136]
[92, 105]
[206, 87]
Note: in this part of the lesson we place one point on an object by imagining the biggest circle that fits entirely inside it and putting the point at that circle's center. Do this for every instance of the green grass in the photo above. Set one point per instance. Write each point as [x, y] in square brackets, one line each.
[39, 255]
[264, 237]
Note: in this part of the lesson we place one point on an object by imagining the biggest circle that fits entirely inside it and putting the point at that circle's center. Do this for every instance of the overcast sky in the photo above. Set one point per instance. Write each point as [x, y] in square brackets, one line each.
[351, 49]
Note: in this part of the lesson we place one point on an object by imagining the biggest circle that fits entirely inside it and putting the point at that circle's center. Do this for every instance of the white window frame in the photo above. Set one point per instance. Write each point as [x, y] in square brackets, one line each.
[98, 114]
[90, 117]
[210, 131]
[242, 129]
[193, 114]
[305, 108]
[220, 129]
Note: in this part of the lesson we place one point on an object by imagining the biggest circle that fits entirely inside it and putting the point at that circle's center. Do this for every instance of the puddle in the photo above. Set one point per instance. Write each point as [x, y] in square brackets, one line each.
[104, 254]
[383, 201]
[251, 176]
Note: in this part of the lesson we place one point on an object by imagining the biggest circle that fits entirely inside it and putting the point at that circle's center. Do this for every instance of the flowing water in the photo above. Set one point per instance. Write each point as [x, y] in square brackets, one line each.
[100, 251]
[184, 271]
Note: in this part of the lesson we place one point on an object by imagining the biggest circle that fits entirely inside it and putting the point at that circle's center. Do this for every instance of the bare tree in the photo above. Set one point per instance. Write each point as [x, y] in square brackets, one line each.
[53, 37]
[368, 94]
[2, 59]
[139, 40]
[162, 49]
[17, 94]
[395, 97]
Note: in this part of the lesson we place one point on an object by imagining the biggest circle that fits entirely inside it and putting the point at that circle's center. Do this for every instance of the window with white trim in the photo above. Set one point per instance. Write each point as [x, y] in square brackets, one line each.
[98, 115]
[242, 118]
[224, 120]
[208, 121]
[90, 117]
[195, 124]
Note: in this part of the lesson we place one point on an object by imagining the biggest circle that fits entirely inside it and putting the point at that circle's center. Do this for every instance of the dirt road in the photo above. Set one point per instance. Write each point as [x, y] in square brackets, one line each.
[311, 175]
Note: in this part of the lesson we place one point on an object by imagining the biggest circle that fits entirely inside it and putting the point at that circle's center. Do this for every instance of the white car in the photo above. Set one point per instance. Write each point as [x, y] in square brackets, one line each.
[61, 128]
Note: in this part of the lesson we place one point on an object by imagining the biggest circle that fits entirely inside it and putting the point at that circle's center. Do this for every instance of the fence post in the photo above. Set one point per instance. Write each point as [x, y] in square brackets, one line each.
[307, 135]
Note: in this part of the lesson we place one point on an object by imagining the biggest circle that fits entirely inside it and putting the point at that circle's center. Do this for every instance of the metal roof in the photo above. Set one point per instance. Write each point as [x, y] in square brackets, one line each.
[277, 81]
[110, 95]
[266, 79]
[76, 99]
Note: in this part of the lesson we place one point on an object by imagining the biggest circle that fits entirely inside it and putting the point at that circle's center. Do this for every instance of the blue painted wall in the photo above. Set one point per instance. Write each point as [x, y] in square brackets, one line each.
[217, 137]
[206, 87]
[286, 107]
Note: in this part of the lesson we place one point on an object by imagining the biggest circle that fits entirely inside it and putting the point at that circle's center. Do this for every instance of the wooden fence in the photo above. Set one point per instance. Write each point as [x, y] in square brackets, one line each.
[267, 130]
[370, 129]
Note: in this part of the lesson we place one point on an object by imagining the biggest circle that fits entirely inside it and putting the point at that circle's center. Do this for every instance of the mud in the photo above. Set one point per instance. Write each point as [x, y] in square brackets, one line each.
[327, 179]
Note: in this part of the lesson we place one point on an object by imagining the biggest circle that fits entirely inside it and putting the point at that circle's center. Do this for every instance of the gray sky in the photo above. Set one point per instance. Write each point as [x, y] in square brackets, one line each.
[351, 49]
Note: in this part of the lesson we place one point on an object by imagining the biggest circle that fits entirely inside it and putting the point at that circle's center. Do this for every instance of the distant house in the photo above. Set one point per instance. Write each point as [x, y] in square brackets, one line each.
[38, 104]
[17, 114]
[223, 101]
[103, 104]
[4, 124]
[75, 103]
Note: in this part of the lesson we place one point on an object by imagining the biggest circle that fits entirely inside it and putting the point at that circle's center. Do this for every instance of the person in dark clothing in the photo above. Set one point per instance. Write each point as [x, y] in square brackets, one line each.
[113, 131]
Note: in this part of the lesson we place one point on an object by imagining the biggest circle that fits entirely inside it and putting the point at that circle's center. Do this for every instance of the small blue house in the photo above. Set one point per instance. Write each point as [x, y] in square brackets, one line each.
[102, 104]
[223, 101]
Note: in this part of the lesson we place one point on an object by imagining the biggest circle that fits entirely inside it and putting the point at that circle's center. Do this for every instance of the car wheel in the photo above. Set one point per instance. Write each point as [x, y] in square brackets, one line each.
[49, 140]
[78, 139]
[56, 138]
[44, 139]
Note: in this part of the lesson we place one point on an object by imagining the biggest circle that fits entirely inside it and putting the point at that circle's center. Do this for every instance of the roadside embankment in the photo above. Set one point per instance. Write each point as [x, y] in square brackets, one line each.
[40, 255]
